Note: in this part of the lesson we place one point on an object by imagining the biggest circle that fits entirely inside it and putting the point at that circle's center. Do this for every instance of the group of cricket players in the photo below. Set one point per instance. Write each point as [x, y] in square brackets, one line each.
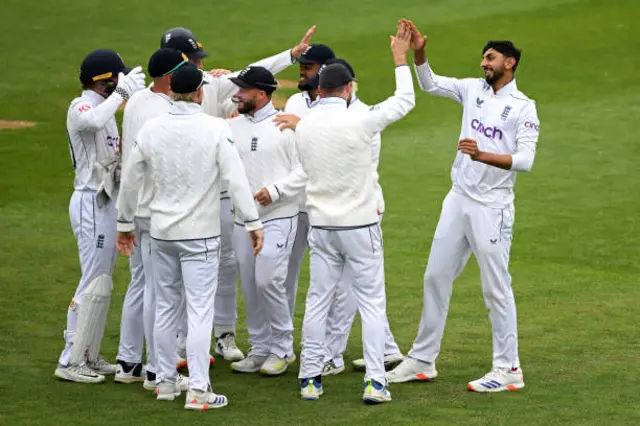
[210, 183]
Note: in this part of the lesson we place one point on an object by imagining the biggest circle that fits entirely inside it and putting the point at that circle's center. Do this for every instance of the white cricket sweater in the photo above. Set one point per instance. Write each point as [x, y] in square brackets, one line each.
[334, 147]
[141, 107]
[187, 153]
[93, 136]
[505, 122]
[268, 155]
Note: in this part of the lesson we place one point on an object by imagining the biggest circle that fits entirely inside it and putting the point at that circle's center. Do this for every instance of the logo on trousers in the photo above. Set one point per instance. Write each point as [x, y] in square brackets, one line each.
[100, 241]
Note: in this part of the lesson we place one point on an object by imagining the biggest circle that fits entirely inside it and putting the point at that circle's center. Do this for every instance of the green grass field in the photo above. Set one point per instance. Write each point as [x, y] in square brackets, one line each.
[575, 253]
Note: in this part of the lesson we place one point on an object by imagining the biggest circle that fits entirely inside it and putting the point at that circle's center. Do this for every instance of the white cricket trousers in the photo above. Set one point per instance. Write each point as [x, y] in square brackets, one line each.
[467, 226]
[340, 320]
[139, 306]
[226, 303]
[95, 230]
[226, 312]
[268, 319]
[190, 267]
[331, 251]
[295, 261]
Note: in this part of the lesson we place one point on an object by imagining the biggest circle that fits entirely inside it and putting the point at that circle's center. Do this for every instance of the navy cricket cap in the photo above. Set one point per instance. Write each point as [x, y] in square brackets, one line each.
[165, 61]
[334, 75]
[101, 64]
[183, 40]
[314, 82]
[255, 77]
[187, 79]
[316, 54]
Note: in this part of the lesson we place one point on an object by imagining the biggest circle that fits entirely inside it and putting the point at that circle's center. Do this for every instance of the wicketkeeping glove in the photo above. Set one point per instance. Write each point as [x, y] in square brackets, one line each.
[130, 83]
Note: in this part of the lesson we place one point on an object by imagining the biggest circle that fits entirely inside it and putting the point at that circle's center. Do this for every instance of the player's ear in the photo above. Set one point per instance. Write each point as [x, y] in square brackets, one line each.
[509, 63]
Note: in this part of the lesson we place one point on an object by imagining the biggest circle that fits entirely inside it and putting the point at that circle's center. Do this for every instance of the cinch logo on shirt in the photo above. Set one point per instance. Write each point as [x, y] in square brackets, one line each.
[490, 132]
[532, 125]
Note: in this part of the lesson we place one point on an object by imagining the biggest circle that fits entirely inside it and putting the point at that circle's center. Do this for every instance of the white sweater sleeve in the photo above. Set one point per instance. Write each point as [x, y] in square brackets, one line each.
[395, 107]
[526, 139]
[130, 183]
[447, 87]
[232, 171]
[92, 119]
[295, 182]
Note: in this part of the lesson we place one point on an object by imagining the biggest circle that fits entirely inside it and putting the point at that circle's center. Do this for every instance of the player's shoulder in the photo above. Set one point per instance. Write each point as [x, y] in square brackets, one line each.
[293, 103]
[520, 96]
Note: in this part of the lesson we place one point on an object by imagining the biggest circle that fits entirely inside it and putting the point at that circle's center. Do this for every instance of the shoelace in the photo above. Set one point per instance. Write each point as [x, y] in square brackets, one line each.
[229, 342]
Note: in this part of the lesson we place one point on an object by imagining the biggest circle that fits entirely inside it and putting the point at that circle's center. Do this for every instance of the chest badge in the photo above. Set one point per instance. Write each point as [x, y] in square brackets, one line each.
[505, 113]
[479, 102]
[254, 144]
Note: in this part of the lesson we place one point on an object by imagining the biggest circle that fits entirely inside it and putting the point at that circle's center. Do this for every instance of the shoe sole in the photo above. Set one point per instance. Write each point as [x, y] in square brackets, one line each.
[418, 377]
[128, 380]
[204, 407]
[312, 398]
[149, 387]
[273, 373]
[236, 358]
[508, 388]
[236, 370]
[374, 401]
[63, 377]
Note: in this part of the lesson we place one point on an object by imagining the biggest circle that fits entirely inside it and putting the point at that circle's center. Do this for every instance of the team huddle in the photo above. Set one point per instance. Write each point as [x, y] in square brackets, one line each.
[211, 183]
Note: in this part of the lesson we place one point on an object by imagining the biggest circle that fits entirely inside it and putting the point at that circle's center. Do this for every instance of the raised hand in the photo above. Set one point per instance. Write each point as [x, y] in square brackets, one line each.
[304, 43]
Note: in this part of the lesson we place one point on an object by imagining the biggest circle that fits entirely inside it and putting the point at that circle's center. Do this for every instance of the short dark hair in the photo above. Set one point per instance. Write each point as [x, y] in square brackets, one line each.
[506, 47]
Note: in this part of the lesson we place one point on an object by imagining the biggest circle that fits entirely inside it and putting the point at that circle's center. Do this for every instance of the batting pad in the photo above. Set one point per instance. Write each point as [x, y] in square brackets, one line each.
[92, 319]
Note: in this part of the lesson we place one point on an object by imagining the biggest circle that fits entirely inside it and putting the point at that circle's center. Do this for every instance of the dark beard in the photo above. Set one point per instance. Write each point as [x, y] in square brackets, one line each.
[305, 87]
[497, 74]
[247, 107]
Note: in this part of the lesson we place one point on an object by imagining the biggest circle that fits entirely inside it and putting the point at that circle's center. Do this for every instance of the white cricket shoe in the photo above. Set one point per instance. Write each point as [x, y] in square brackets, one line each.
[149, 381]
[498, 380]
[78, 373]
[331, 369]
[202, 401]
[390, 361]
[102, 366]
[226, 346]
[129, 373]
[251, 364]
[375, 393]
[310, 389]
[168, 391]
[410, 369]
[274, 365]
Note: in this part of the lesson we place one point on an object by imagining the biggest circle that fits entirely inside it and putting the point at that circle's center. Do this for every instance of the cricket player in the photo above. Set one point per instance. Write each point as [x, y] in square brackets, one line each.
[344, 307]
[268, 156]
[94, 145]
[498, 139]
[188, 154]
[334, 146]
[138, 310]
[300, 104]
[217, 102]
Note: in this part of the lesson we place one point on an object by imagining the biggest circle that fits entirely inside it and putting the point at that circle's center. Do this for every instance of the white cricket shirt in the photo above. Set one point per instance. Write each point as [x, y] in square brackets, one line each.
[268, 155]
[505, 122]
[93, 136]
[334, 147]
[142, 106]
[187, 153]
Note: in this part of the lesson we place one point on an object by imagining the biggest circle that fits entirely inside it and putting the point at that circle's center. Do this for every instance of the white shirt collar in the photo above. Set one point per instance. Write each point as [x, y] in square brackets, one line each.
[185, 108]
[354, 99]
[262, 113]
[333, 102]
[507, 89]
[307, 98]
